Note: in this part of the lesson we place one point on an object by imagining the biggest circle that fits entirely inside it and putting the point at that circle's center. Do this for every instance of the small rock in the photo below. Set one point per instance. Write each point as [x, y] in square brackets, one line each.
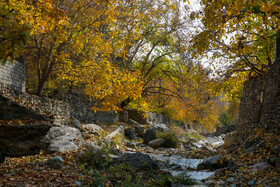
[78, 183]
[55, 162]
[156, 143]
[251, 183]
[248, 143]
[261, 165]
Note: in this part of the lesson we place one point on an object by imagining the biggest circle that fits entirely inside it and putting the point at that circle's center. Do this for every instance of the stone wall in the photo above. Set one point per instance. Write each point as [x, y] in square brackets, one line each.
[55, 110]
[12, 75]
[260, 103]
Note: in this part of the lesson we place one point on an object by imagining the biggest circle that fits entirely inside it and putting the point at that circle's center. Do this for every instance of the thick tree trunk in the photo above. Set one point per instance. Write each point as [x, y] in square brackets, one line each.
[277, 47]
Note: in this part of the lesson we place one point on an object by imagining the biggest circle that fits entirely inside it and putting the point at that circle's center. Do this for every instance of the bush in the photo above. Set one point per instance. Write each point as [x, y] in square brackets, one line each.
[93, 159]
[171, 140]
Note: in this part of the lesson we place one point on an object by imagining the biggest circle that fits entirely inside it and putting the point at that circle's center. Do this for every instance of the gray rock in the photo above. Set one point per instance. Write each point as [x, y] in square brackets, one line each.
[20, 140]
[92, 128]
[251, 183]
[54, 162]
[138, 161]
[67, 131]
[214, 163]
[161, 128]
[61, 146]
[78, 183]
[261, 165]
[118, 132]
[61, 139]
[156, 143]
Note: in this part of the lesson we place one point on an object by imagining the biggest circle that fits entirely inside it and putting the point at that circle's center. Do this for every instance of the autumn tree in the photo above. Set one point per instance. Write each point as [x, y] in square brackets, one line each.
[17, 24]
[238, 36]
[68, 44]
[155, 42]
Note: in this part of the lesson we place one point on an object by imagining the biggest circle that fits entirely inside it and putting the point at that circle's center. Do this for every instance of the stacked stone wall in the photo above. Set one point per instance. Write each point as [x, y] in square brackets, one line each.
[12, 75]
[260, 103]
[55, 110]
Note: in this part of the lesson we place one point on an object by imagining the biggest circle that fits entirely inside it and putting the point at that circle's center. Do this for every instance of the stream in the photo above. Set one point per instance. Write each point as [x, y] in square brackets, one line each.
[178, 164]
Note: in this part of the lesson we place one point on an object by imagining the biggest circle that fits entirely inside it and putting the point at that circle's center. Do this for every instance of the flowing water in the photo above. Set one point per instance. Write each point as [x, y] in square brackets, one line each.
[183, 164]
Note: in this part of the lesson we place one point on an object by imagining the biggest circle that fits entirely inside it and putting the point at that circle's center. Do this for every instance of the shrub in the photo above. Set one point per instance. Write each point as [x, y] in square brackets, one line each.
[93, 159]
[171, 140]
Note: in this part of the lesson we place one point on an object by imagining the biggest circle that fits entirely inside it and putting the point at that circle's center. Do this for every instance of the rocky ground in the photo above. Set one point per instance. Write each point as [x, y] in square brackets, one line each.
[131, 154]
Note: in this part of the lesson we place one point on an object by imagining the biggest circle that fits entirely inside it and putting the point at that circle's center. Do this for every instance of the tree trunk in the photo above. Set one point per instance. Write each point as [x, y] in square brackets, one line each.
[277, 46]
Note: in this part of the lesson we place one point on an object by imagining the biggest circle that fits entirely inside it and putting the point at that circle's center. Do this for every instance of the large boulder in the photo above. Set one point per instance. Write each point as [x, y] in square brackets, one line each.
[138, 161]
[64, 131]
[20, 140]
[215, 162]
[149, 135]
[61, 139]
[61, 146]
